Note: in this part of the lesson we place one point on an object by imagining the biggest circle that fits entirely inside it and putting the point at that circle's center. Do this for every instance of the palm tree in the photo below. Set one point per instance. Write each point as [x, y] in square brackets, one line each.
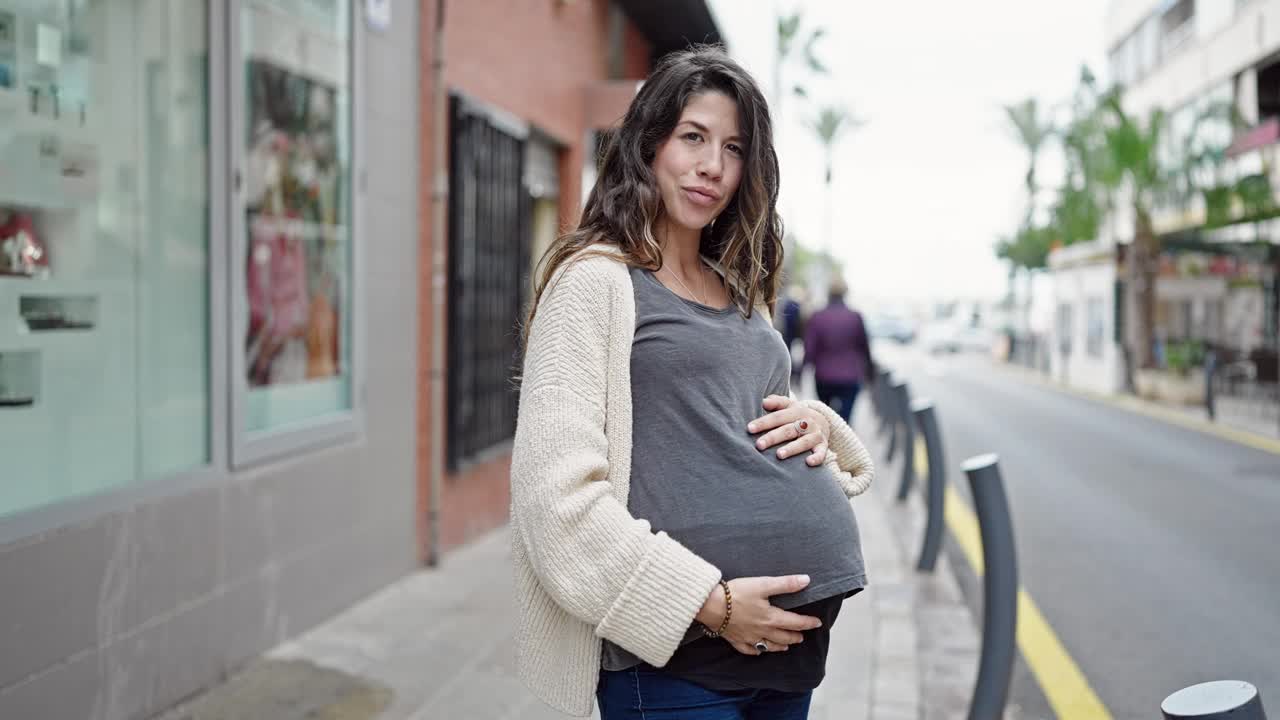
[1033, 131]
[1082, 200]
[1133, 168]
[790, 40]
[828, 125]
[788, 36]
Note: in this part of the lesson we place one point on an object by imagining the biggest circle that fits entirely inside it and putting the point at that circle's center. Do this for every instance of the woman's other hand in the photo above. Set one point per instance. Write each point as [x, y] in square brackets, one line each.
[788, 421]
[754, 618]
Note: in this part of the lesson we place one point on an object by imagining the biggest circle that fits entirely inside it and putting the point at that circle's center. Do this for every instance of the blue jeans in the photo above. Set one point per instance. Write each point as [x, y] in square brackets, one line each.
[845, 393]
[646, 694]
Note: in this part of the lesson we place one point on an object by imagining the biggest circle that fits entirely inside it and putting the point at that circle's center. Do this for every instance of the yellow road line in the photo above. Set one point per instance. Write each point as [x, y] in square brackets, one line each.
[1060, 678]
[1147, 409]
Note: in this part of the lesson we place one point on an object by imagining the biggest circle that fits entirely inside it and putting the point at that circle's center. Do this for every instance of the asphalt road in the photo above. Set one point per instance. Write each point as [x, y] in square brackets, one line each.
[1152, 550]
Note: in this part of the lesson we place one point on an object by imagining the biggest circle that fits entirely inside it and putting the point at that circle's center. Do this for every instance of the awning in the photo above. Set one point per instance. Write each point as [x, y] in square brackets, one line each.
[671, 25]
[1260, 136]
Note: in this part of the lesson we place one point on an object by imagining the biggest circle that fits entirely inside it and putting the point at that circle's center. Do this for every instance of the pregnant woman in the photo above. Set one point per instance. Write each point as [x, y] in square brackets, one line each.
[682, 536]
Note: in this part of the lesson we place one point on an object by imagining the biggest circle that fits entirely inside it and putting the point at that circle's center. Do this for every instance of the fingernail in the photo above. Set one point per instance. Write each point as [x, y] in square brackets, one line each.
[760, 444]
[751, 427]
[782, 454]
[804, 579]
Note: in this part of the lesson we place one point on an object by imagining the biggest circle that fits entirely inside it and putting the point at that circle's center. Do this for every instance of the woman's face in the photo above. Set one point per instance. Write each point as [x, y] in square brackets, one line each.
[699, 166]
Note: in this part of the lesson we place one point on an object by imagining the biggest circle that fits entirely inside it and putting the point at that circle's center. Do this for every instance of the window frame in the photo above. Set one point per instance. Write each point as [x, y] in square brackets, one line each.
[249, 449]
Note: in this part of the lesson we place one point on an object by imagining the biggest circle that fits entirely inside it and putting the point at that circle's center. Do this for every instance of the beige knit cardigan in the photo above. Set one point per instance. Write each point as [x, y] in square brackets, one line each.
[585, 569]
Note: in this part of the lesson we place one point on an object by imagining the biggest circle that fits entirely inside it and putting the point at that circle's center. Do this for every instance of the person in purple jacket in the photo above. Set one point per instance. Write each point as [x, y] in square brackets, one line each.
[836, 345]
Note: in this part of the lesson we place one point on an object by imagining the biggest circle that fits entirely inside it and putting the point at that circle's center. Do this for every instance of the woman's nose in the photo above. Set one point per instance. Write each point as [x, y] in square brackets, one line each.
[711, 166]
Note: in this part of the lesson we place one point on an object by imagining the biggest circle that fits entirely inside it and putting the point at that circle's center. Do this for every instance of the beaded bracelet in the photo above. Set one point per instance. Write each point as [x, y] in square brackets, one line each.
[728, 612]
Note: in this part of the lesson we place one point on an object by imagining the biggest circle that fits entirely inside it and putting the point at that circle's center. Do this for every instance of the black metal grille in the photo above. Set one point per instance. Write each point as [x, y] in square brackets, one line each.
[489, 240]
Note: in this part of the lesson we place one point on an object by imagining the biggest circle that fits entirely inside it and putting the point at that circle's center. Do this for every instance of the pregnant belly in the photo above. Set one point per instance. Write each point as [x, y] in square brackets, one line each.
[802, 527]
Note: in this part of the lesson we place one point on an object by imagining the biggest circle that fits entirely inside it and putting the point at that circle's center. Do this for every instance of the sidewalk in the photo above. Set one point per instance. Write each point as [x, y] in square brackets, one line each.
[439, 643]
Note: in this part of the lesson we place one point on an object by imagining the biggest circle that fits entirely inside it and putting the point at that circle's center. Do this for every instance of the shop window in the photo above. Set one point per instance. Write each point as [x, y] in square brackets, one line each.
[489, 257]
[294, 273]
[104, 246]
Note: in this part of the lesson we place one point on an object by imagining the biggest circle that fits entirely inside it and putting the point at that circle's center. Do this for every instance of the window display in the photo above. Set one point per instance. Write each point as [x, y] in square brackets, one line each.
[297, 211]
[21, 251]
[104, 247]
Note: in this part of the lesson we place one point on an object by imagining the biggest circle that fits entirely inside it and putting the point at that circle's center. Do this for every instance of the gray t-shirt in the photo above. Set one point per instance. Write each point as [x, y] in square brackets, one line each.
[698, 376]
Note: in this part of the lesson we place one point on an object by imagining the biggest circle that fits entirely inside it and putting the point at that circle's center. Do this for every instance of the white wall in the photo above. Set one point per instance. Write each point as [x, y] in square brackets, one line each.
[1075, 284]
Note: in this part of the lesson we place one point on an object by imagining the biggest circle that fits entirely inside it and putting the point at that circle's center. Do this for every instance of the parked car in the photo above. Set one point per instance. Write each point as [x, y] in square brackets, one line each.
[944, 337]
[891, 327]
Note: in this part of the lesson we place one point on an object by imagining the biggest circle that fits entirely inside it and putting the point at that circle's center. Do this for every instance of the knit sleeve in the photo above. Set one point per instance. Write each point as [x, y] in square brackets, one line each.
[638, 588]
[847, 457]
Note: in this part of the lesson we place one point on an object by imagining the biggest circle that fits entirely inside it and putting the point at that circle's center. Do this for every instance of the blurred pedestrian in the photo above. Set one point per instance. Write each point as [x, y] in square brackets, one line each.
[836, 345]
[664, 560]
[792, 315]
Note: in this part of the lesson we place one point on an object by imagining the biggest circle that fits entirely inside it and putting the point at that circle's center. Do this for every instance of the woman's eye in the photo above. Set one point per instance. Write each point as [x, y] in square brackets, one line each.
[735, 149]
[692, 137]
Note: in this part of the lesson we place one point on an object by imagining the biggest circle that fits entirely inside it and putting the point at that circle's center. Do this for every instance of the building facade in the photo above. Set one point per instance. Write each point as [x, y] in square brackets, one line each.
[208, 217]
[1218, 277]
[1198, 61]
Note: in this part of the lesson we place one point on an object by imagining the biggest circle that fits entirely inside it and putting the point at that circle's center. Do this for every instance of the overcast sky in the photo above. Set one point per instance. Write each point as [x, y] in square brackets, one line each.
[924, 189]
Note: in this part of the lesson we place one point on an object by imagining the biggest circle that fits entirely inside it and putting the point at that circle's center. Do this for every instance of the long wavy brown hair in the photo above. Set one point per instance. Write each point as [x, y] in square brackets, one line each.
[624, 205]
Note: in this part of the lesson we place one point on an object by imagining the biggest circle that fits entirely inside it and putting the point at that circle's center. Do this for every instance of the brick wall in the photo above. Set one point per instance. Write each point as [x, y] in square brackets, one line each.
[637, 54]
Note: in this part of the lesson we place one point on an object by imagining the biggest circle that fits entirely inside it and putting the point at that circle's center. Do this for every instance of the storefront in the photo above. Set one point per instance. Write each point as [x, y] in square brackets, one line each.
[207, 335]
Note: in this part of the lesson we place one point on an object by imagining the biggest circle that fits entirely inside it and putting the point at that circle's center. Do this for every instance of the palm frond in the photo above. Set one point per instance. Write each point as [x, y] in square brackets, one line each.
[788, 26]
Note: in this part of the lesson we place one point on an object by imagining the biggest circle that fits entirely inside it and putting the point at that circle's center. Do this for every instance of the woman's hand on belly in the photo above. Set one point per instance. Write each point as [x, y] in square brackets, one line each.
[787, 421]
[754, 618]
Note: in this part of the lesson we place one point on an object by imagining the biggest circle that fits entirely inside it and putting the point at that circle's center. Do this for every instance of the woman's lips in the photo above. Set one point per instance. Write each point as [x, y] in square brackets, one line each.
[703, 198]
